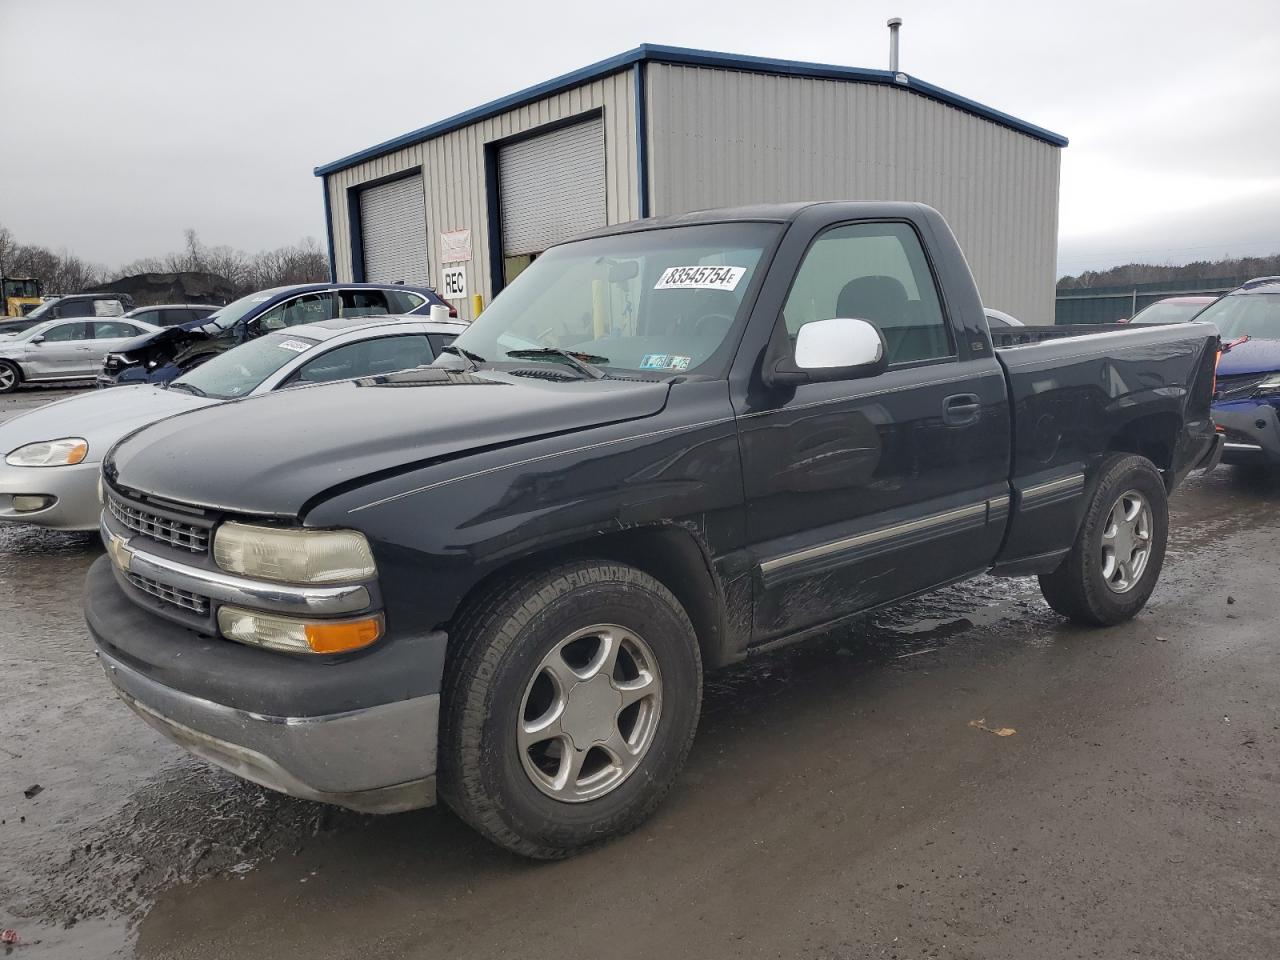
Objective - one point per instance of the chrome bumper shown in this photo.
(381, 759)
(1253, 432)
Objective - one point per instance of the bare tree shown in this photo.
(303, 262)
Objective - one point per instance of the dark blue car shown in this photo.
(160, 357)
(1247, 402)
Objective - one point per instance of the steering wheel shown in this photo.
(723, 319)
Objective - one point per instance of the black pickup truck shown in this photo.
(664, 446)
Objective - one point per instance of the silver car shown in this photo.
(63, 349)
(53, 455)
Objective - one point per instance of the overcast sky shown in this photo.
(126, 121)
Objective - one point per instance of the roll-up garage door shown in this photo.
(393, 226)
(552, 187)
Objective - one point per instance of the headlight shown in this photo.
(293, 556)
(49, 453)
(1269, 385)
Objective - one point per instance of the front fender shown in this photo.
(439, 531)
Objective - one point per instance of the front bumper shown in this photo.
(74, 489)
(359, 732)
(1252, 432)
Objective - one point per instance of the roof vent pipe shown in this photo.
(895, 24)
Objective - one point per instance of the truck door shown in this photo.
(862, 491)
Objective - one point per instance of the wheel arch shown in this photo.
(671, 553)
(1154, 436)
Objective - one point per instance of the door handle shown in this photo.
(960, 409)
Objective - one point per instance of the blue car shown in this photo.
(1247, 402)
(162, 356)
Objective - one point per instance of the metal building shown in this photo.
(468, 202)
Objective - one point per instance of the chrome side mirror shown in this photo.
(842, 348)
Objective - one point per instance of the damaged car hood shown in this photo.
(270, 455)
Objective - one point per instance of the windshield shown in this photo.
(659, 301)
(227, 316)
(239, 371)
(39, 312)
(1167, 313)
(1254, 315)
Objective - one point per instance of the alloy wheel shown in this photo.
(589, 713)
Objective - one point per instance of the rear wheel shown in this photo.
(570, 704)
(10, 376)
(1116, 560)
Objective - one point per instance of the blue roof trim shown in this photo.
(657, 53)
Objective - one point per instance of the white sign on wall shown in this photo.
(455, 246)
(453, 283)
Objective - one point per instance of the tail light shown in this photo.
(453, 312)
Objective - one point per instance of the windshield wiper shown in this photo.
(473, 359)
(187, 388)
(582, 362)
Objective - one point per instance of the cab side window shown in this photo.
(64, 332)
(364, 303)
(74, 308)
(113, 330)
(309, 308)
(875, 272)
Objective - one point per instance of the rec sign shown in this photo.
(453, 283)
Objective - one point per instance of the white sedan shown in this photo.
(63, 349)
(53, 455)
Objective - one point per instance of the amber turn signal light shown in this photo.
(341, 637)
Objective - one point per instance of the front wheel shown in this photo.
(1116, 559)
(571, 700)
(10, 376)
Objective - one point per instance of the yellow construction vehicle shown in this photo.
(18, 296)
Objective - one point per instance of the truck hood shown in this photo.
(1252, 356)
(100, 418)
(270, 455)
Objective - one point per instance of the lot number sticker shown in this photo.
(453, 283)
(700, 278)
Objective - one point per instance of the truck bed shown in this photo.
(1017, 336)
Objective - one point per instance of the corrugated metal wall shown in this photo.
(453, 168)
(723, 137)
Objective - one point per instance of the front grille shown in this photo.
(175, 533)
(1239, 386)
(179, 598)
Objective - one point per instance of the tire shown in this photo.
(1081, 588)
(501, 679)
(10, 376)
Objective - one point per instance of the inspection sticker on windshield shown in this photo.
(700, 278)
(664, 361)
(297, 346)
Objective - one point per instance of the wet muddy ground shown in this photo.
(839, 801)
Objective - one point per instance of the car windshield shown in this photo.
(239, 371)
(658, 301)
(39, 312)
(1167, 313)
(1254, 315)
(227, 316)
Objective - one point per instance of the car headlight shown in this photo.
(293, 556)
(1270, 385)
(50, 453)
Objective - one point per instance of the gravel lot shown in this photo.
(839, 801)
